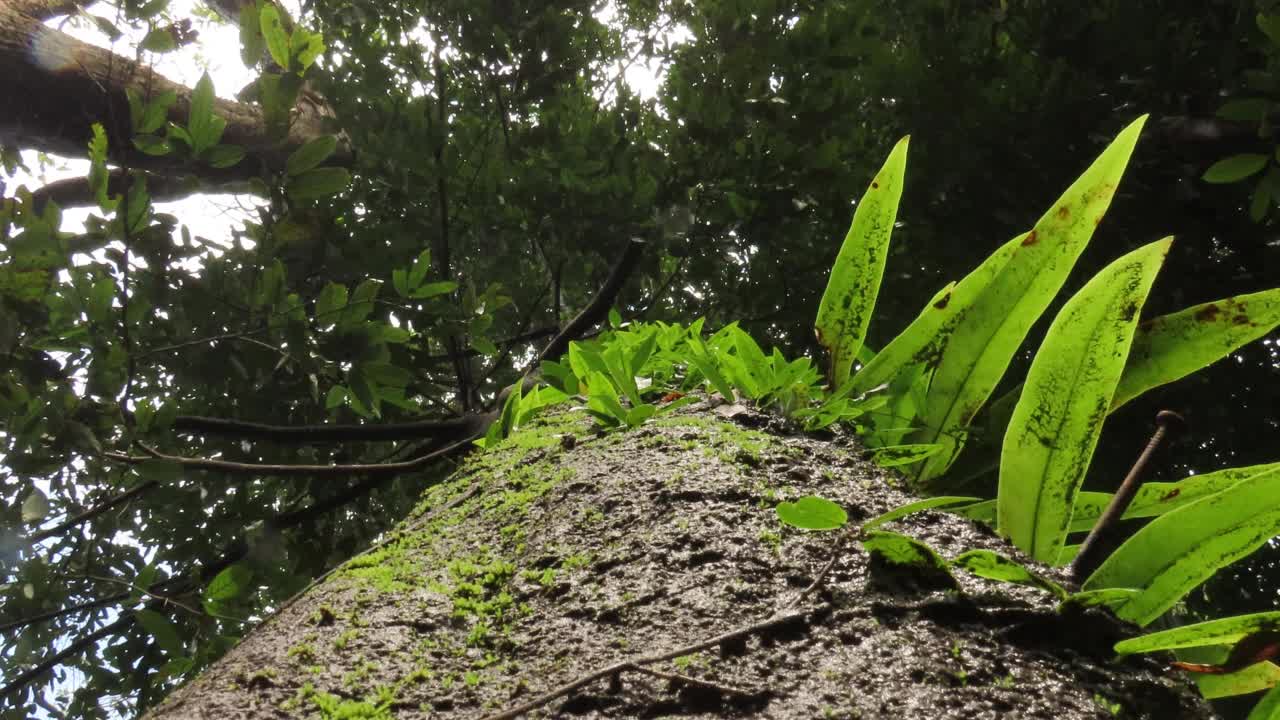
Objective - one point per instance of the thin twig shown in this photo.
(200, 425)
(92, 512)
(677, 678)
(619, 667)
(72, 649)
(598, 308)
(290, 470)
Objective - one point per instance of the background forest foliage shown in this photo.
(501, 167)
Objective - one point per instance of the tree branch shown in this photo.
(75, 192)
(598, 308)
(56, 659)
(302, 434)
(482, 420)
(45, 9)
(92, 512)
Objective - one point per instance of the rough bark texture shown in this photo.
(546, 559)
(56, 87)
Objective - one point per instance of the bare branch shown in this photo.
(56, 659)
(93, 512)
(598, 308)
(292, 470)
(75, 192)
(454, 428)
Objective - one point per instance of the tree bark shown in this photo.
(56, 87)
(644, 574)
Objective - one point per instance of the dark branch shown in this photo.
(93, 512)
(56, 659)
(444, 429)
(598, 308)
(45, 9)
(482, 423)
(75, 192)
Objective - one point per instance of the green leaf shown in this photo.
(603, 399)
(310, 155)
(200, 125)
(897, 455)
(903, 550)
(1058, 418)
(1249, 110)
(915, 507)
(100, 298)
(332, 299)
(1254, 678)
(637, 415)
(1157, 498)
(418, 272)
(35, 507)
(152, 145)
(812, 513)
(1224, 631)
(1235, 168)
(1064, 402)
(1180, 549)
(1107, 597)
(223, 156)
(318, 183)
(306, 47)
(363, 392)
(229, 584)
(615, 318)
(850, 296)
(1172, 346)
(252, 43)
(274, 35)
(159, 40)
(361, 303)
(386, 374)
(982, 341)
(994, 566)
(160, 628)
(336, 396)
(433, 289)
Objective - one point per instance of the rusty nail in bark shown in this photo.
(1167, 423)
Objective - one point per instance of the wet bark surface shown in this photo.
(563, 552)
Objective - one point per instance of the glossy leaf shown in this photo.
(915, 507)
(1235, 168)
(899, 455)
(310, 154)
(318, 182)
(812, 513)
(1268, 708)
(274, 35)
(160, 628)
(200, 118)
(1224, 631)
(1180, 549)
(901, 549)
(1249, 680)
(1068, 390)
(994, 566)
(1156, 498)
(985, 337)
(1172, 346)
(850, 296)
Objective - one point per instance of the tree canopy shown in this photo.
(443, 188)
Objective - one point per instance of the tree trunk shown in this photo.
(551, 561)
(56, 87)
